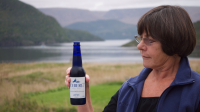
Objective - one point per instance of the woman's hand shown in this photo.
(88, 106)
(67, 79)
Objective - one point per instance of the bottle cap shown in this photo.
(76, 43)
(77, 50)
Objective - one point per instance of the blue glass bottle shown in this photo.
(77, 75)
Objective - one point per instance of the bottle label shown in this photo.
(77, 87)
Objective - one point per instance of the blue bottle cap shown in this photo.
(76, 43)
(77, 50)
(77, 60)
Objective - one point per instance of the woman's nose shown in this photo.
(141, 45)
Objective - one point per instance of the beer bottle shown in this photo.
(77, 75)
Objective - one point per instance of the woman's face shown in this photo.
(153, 55)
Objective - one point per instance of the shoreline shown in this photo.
(135, 61)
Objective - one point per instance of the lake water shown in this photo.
(109, 51)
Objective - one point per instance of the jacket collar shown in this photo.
(183, 75)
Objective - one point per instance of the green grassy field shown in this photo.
(60, 98)
(39, 87)
(26, 87)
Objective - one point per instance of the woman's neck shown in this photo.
(167, 70)
(160, 78)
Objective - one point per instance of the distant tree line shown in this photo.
(22, 24)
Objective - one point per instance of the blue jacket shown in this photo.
(183, 95)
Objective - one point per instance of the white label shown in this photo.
(77, 87)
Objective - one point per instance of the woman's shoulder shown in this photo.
(129, 82)
(196, 76)
(137, 79)
(133, 81)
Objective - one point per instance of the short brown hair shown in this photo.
(172, 26)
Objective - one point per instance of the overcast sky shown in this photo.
(105, 5)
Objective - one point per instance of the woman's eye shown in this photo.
(151, 41)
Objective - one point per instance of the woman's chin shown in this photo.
(146, 64)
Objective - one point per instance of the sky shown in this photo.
(105, 5)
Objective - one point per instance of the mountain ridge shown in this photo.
(107, 29)
(23, 25)
(130, 15)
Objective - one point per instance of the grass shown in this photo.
(100, 95)
(27, 105)
(43, 83)
(58, 100)
(17, 78)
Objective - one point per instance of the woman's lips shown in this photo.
(145, 57)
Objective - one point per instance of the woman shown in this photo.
(166, 84)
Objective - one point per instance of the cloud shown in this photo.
(108, 4)
(97, 5)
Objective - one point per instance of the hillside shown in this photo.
(67, 16)
(77, 35)
(22, 24)
(197, 28)
(107, 29)
(196, 52)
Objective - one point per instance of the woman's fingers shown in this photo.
(68, 70)
(67, 84)
(87, 78)
(68, 79)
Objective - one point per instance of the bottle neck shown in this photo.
(77, 60)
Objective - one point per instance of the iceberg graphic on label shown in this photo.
(75, 81)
